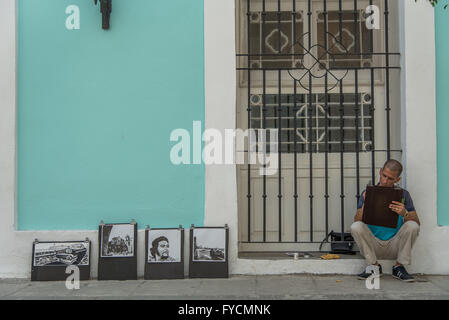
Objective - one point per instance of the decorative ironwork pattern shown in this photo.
(265, 38)
(296, 109)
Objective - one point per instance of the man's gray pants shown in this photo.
(398, 248)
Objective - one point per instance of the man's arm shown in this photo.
(412, 216)
(359, 214)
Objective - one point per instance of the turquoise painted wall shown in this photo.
(95, 112)
(442, 70)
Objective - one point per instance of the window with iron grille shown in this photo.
(348, 43)
(313, 70)
(337, 120)
(277, 39)
(273, 39)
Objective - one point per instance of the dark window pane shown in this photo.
(311, 123)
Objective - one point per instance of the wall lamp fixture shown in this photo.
(106, 9)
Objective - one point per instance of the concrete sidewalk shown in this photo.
(235, 288)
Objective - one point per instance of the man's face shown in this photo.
(388, 178)
(163, 249)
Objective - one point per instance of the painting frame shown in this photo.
(121, 233)
(215, 259)
(157, 270)
(118, 266)
(56, 256)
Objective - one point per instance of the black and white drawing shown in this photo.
(61, 254)
(164, 245)
(117, 240)
(209, 244)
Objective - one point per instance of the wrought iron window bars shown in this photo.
(281, 42)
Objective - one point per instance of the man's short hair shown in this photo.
(155, 244)
(393, 165)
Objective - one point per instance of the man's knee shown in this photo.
(358, 227)
(411, 226)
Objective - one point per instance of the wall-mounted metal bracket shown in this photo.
(106, 9)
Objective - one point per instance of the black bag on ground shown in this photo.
(340, 247)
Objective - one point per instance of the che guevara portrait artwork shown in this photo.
(164, 245)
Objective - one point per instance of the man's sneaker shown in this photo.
(400, 273)
(364, 275)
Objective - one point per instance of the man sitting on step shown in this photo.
(376, 242)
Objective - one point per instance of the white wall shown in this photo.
(7, 138)
(431, 254)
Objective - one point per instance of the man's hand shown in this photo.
(397, 207)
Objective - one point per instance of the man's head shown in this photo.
(160, 247)
(390, 173)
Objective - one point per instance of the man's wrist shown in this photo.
(405, 213)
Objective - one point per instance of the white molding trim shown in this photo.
(220, 113)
